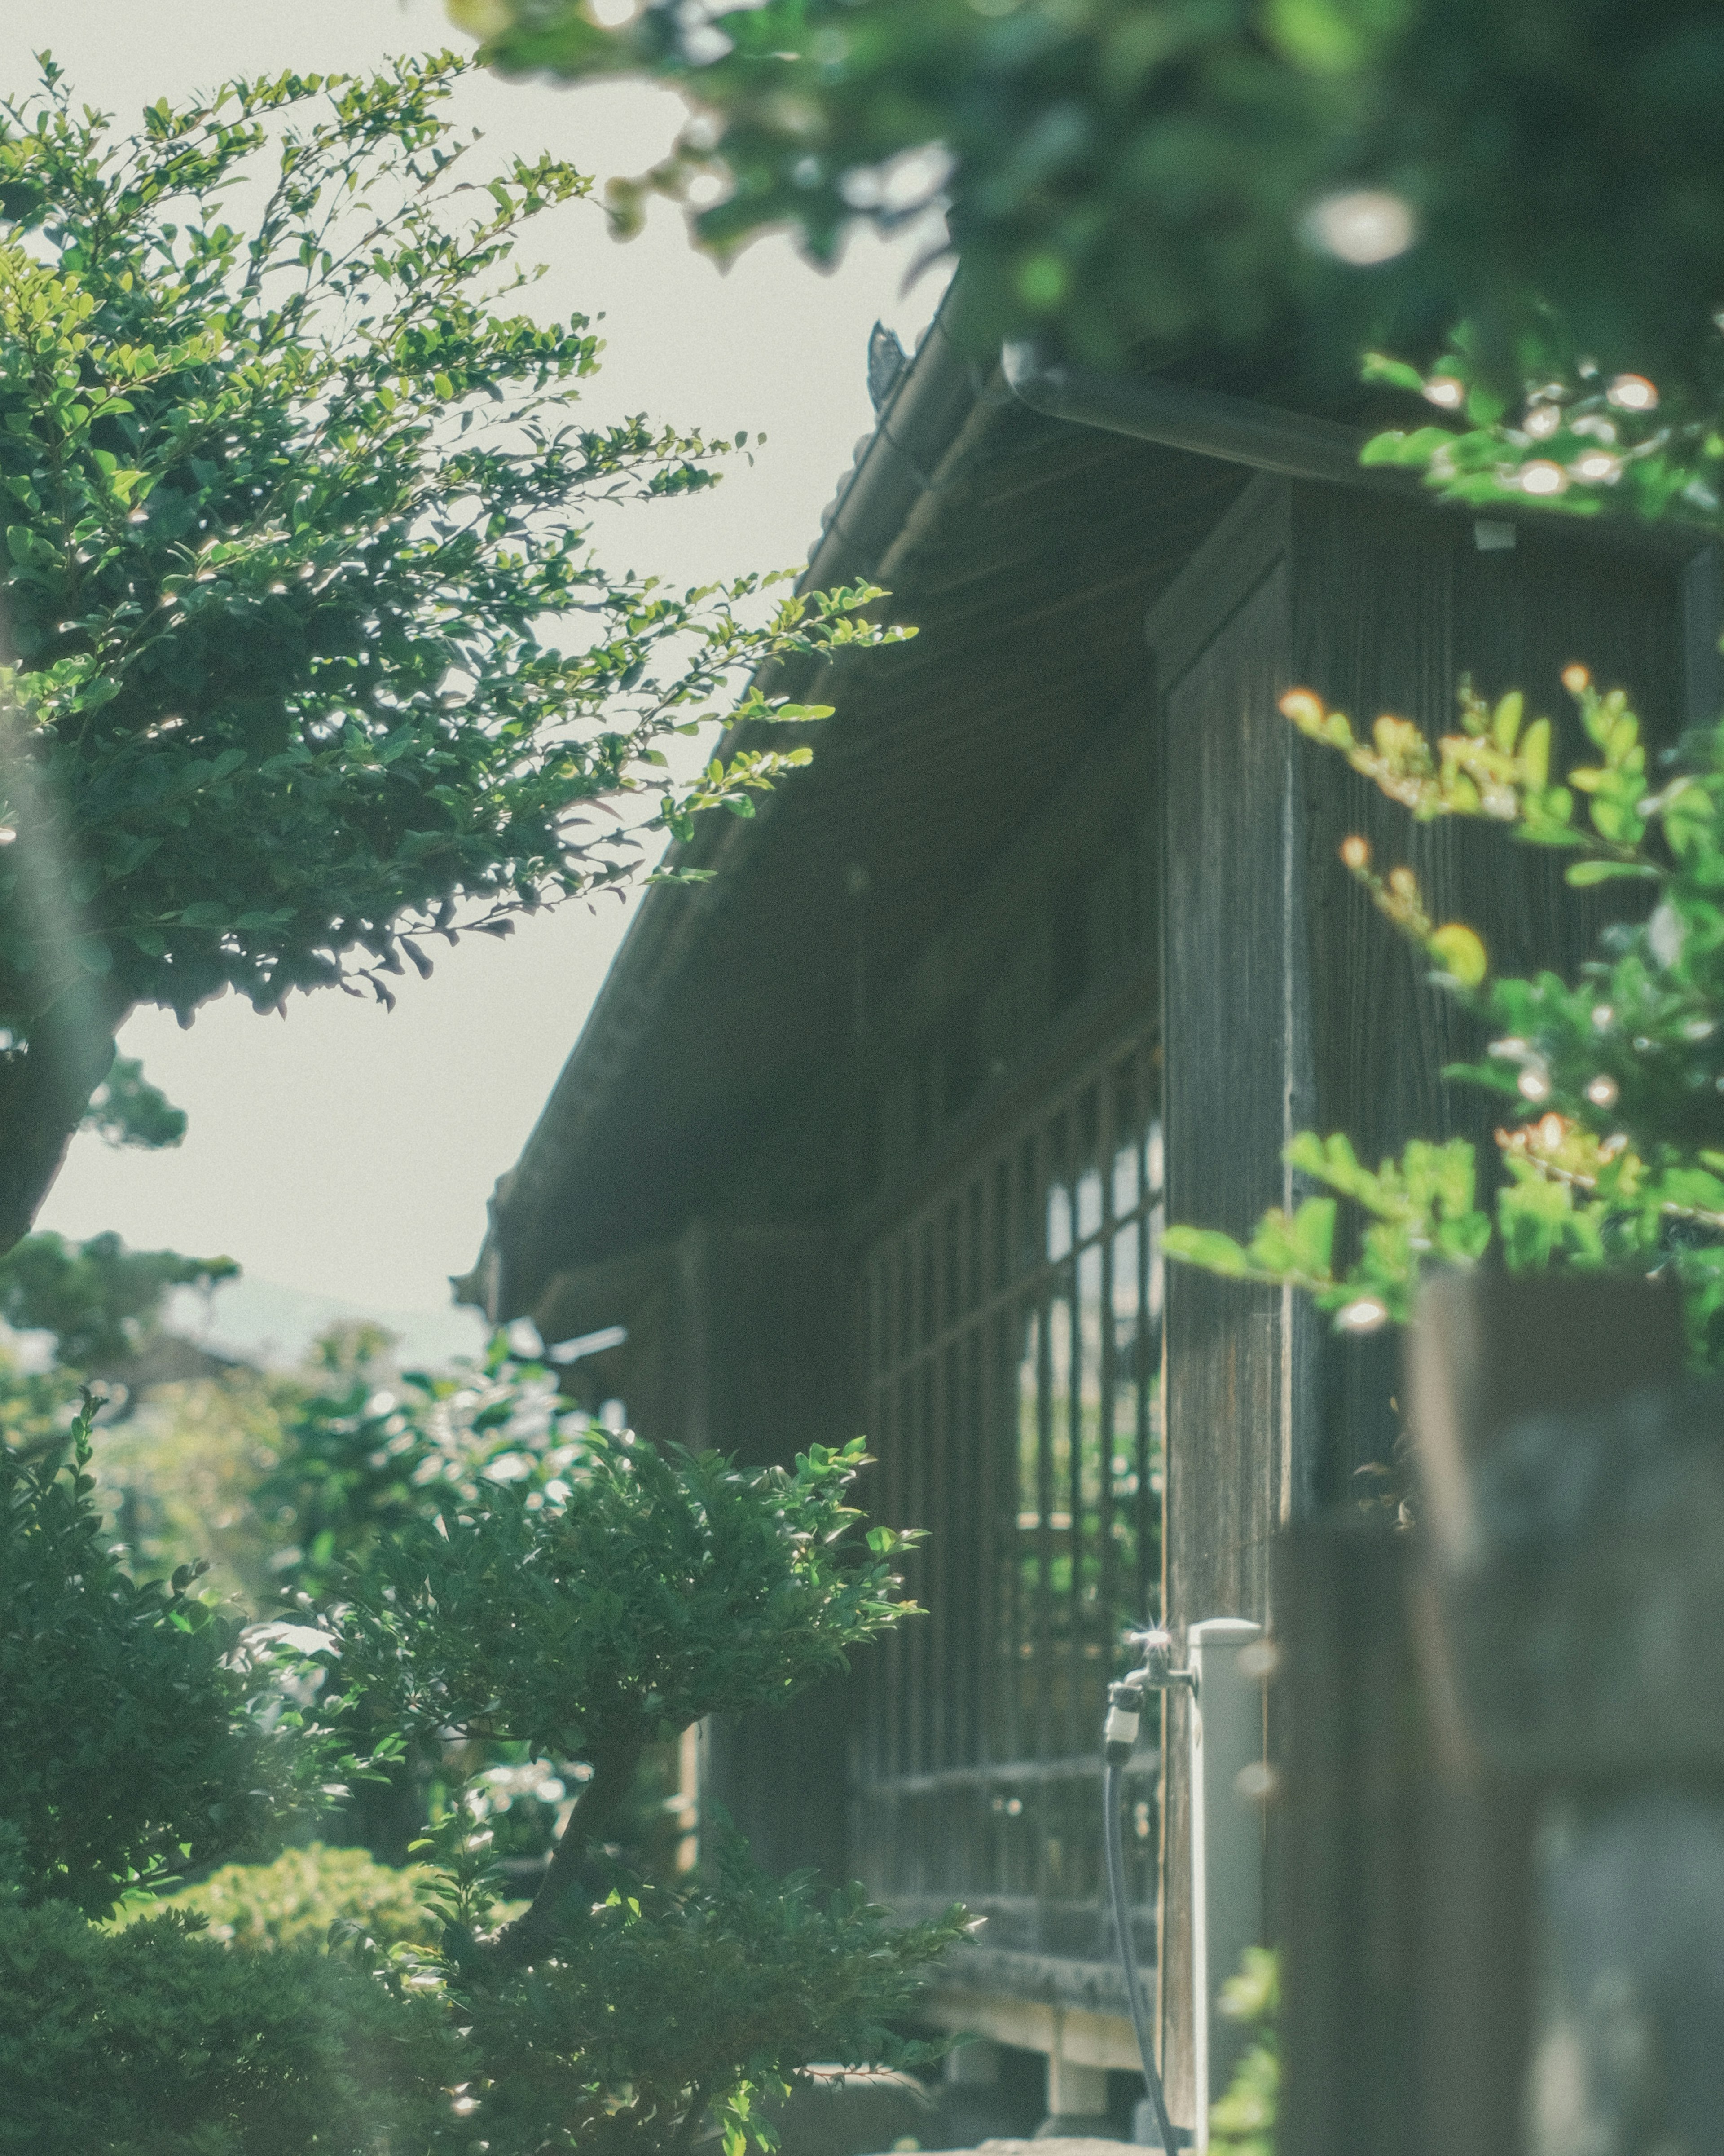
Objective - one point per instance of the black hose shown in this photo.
(1113, 1836)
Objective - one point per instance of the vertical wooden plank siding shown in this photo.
(1390, 605)
(1228, 959)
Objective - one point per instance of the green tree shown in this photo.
(632, 1592)
(101, 1301)
(126, 1110)
(288, 502)
(585, 1613)
(1161, 173)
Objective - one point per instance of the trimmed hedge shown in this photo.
(148, 2042)
(293, 1902)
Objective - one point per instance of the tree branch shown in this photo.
(614, 1767)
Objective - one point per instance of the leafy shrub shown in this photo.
(148, 2042)
(594, 1598)
(293, 1902)
(132, 1737)
(626, 1598)
(660, 2008)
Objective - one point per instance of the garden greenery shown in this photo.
(152, 2041)
(665, 2009)
(292, 1902)
(537, 1604)
(635, 1593)
(289, 500)
(137, 1734)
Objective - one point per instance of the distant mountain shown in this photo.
(274, 1326)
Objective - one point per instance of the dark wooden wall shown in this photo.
(1289, 1003)
(1234, 1084)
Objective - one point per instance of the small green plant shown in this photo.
(1614, 1146)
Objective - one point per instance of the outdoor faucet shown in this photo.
(1125, 1699)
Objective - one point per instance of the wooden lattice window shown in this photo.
(1013, 1373)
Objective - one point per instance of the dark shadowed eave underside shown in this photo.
(533, 1209)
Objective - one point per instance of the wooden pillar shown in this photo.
(1236, 1091)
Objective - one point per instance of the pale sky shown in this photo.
(349, 1152)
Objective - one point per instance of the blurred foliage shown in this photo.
(178, 1478)
(38, 1406)
(1570, 434)
(293, 1902)
(126, 1110)
(148, 2042)
(1612, 1083)
(365, 1451)
(101, 1301)
(1242, 2122)
(138, 1732)
(1179, 172)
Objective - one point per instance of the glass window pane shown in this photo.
(1029, 1444)
(1123, 1465)
(1089, 1178)
(1058, 1221)
(1126, 1158)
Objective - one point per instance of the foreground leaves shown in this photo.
(1613, 1147)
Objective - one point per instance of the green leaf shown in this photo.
(1584, 873)
(1460, 951)
(1214, 1252)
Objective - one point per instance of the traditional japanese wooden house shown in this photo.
(878, 1130)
